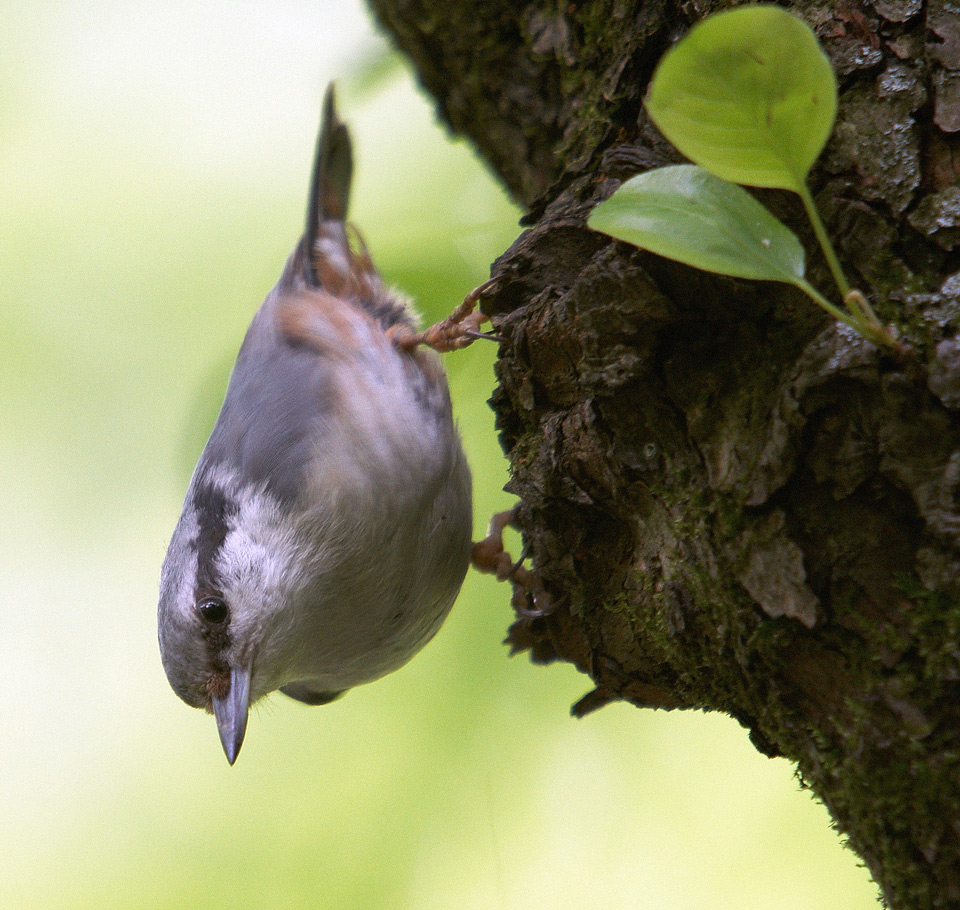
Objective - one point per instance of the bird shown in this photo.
(326, 530)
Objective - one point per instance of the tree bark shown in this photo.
(735, 503)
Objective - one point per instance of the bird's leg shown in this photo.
(489, 556)
(459, 329)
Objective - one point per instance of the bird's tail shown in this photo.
(323, 257)
(332, 172)
(331, 255)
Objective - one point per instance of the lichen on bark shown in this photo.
(737, 504)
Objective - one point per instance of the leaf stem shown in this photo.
(849, 318)
(859, 314)
(824, 240)
(857, 303)
(863, 322)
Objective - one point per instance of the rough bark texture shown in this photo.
(737, 504)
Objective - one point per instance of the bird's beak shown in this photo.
(231, 712)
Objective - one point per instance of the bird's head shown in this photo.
(224, 589)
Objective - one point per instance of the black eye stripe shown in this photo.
(212, 610)
(215, 511)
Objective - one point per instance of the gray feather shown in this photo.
(271, 418)
(302, 692)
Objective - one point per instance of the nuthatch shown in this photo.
(326, 530)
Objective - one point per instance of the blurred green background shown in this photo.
(153, 165)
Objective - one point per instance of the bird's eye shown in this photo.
(213, 610)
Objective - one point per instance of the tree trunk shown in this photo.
(736, 503)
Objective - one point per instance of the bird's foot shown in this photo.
(530, 599)
(459, 329)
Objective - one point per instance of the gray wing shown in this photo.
(277, 405)
(308, 696)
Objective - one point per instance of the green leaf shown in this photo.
(749, 95)
(685, 213)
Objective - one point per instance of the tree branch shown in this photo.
(737, 504)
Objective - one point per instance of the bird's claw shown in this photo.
(460, 329)
(530, 599)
